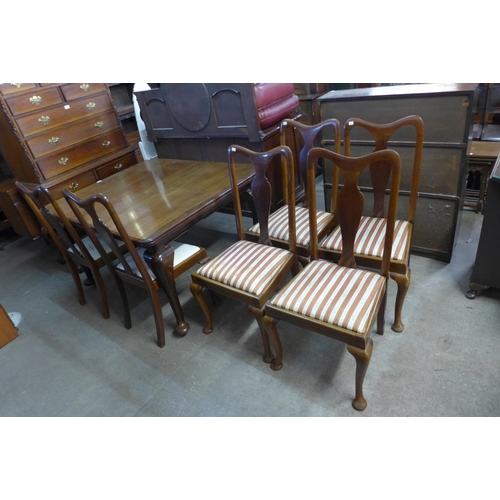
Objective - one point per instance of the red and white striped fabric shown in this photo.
(247, 266)
(278, 224)
(334, 294)
(370, 238)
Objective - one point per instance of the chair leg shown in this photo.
(158, 314)
(78, 282)
(270, 327)
(403, 282)
(102, 292)
(258, 313)
(196, 290)
(127, 319)
(90, 280)
(362, 357)
(161, 262)
(381, 314)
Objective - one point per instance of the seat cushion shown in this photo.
(334, 294)
(91, 248)
(247, 266)
(370, 238)
(182, 252)
(278, 224)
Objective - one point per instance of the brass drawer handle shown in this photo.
(36, 100)
(118, 166)
(99, 124)
(63, 160)
(106, 143)
(53, 140)
(74, 186)
(91, 105)
(44, 120)
(85, 86)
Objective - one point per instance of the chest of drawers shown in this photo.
(61, 134)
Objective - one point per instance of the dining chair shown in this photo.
(131, 266)
(278, 226)
(79, 252)
(339, 300)
(250, 271)
(369, 242)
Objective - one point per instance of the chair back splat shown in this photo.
(250, 271)
(382, 134)
(307, 136)
(312, 136)
(339, 300)
(350, 200)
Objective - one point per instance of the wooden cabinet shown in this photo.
(446, 110)
(486, 272)
(62, 135)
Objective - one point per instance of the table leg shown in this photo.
(161, 262)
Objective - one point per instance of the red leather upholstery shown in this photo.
(275, 101)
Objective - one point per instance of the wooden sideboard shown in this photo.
(59, 134)
(446, 110)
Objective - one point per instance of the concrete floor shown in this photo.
(69, 361)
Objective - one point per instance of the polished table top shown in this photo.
(158, 199)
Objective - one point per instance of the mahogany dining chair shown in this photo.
(79, 252)
(339, 300)
(130, 267)
(369, 241)
(250, 271)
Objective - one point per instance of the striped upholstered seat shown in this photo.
(370, 238)
(247, 266)
(337, 295)
(278, 224)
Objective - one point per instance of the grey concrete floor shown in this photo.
(69, 361)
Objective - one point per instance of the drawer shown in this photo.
(67, 159)
(74, 133)
(33, 101)
(76, 90)
(12, 88)
(64, 113)
(74, 184)
(116, 166)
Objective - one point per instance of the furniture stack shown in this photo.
(60, 135)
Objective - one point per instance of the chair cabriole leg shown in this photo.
(362, 357)
(196, 290)
(403, 282)
(258, 314)
(270, 328)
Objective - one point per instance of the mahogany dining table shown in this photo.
(159, 199)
